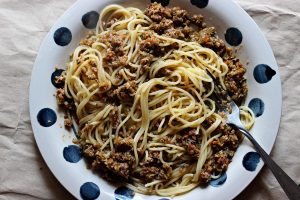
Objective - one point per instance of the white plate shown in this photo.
(53, 141)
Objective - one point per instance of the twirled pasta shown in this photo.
(162, 105)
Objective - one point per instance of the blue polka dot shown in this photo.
(162, 2)
(72, 153)
(219, 181)
(233, 36)
(124, 193)
(263, 73)
(90, 19)
(257, 106)
(62, 36)
(89, 191)
(46, 117)
(55, 74)
(251, 160)
(200, 3)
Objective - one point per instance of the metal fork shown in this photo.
(291, 189)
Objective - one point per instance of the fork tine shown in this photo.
(218, 102)
(220, 92)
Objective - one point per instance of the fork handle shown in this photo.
(291, 189)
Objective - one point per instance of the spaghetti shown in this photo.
(144, 106)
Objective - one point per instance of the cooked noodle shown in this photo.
(162, 106)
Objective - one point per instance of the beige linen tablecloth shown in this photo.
(24, 24)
